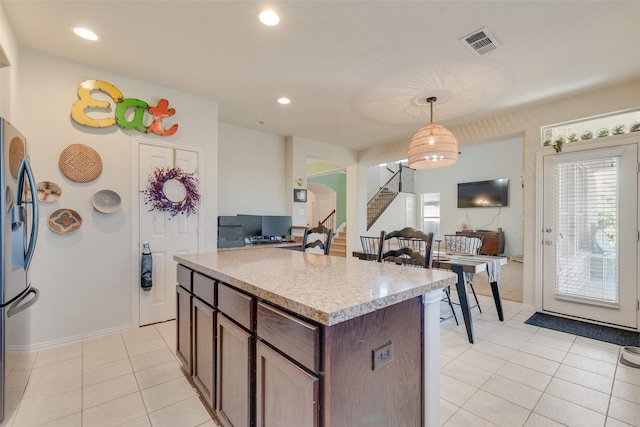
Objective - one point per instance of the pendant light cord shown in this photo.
(431, 100)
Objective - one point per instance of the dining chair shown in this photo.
(457, 244)
(411, 247)
(446, 290)
(370, 246)
(322, 242)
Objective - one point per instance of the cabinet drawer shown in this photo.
(203, 288)
(294, 337)
(236, 305)
(184, 277)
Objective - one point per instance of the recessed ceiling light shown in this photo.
(85, 33)
(284, 101)
(269, 17)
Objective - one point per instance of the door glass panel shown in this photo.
(587, 206)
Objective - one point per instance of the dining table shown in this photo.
(460, 264)
(474, 264)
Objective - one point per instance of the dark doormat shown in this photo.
(584, 329)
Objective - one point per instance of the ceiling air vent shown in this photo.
(480, 42)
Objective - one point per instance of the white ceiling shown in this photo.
(357, 72)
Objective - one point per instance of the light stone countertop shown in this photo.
(326, 289)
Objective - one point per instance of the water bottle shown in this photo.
(146, 267)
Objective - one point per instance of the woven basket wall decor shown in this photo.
(80, 163)
(64, 221)
(48, 191)
(16, 153)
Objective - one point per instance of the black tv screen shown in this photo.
(484, 194)
(276, 226)
(252, 224)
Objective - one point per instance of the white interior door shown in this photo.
(590, 234)
(325, 204)
(167, 235)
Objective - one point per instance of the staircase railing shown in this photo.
(329, 221)
(401, 181)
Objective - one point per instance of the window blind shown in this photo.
(587, 203)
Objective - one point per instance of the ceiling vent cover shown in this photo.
(480, 42)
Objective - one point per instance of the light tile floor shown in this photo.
(514, 375)
(128, 379)
(522, 375)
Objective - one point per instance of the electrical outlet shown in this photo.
(382, 355)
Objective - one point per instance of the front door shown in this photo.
(167, 235)
(590, 234)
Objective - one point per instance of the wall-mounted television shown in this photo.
(484, 194)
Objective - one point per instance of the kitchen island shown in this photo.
(279, 337)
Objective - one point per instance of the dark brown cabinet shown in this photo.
(234, 374)
(492, 241)
(183, 331)
(204, 329)
(284, 391)
(196, 328)
(272, 367)
(287, 348)
(235, 357)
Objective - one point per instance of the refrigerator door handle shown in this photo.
(16, 307)
(25, 169)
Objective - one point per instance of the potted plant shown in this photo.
(586, 135)
(618, 129)
(557, 144)
(573, 137)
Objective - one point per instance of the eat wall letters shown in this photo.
(86, 104)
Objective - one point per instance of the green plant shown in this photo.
(603, 132)
(557, 144)
(617, 130)
(573, 137)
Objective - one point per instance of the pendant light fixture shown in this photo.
(432, 146)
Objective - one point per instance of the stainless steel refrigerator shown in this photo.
(19, 221)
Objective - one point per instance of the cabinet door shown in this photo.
(203, 350)
(233, 391)
(285, 392)
(183, 331)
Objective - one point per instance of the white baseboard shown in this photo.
(67, 340)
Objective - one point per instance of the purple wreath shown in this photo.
(154, 193)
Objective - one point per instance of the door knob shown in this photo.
(548, 230)
(547, 242)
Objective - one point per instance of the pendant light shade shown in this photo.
(432, 146)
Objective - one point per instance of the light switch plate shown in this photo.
(382, 355)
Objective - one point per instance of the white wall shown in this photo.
(87, 278)
(479, 163)
(251, 172)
